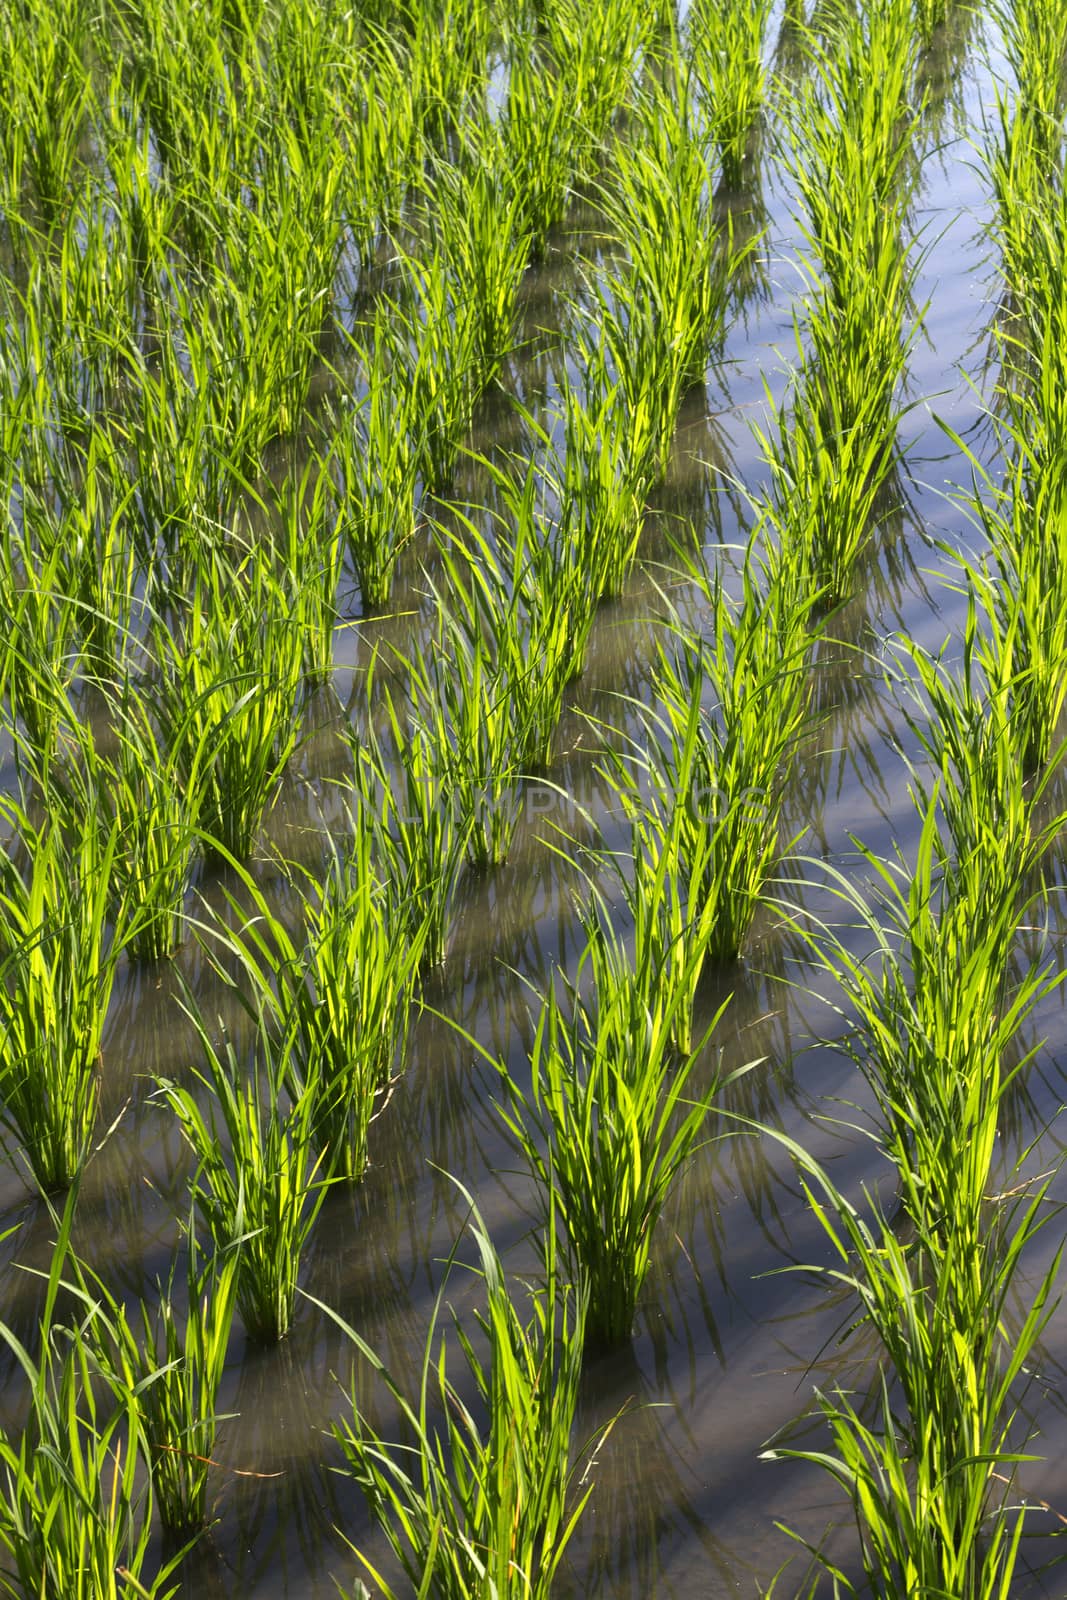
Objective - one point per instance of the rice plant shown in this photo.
(259, 1184)
(488, 1498)
(849, 137)
(309, 547)
(1019, 591)
(46, 75)
(228, 694)
(705, 803)
(656, 324)
(249, 340)
(442, 365)
(375, 452)
(181, 75)
(489, 689)
(610, 1118)
(39, 654)
(966, 719)
(1034, 39)
(377, 97)
(601, 483)
(337, 998)
(461, 701)
(596, 54)
(420, 834)
(98, 570)
(828, 476)
(537, 600)
(59, 957)
(938, 1018)
(479, 218)
(848, 158)
(1033, 244)
(449, 61)
(726, 45)
(538, 136)
(76, 1506)
(142, 790)
(173, 1361)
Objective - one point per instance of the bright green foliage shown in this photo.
(705, 803)
(482, 1510)
(967, 722)
(489, 690)
(1034, 39)
(849, 136)
(461, 702)
(601, 483)
(336, 1000)
(537, 601)
(928, 1465)
(538, 134)
(1020, 587)
(448, 61)
(606, 1124)
(39, 651)
(656, 323)
(258, 1185)
(46, 85)
(938, 1019)
(595, 50)
(442, 361)
(308, 539)
(726, 49)
(174, 1365)
(381, 136)
(848, 156)
(479, 218)
(76, 1504)
(249, 332)
(228, 694)
(59, 958)
(139, 789)
(420, 835)
(375, 451)
(1032, 351)
(97, 570)
(828, 476)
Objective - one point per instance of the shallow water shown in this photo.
(728, 1343)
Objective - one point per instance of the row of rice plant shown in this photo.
(937, 1009)
(847, 150)
(1018, 583)
(935, 1015)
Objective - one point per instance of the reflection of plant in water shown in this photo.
(645, 1494)
(276, 1489)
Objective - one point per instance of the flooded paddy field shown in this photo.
(532, 548)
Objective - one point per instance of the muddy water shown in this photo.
(729, 1344)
